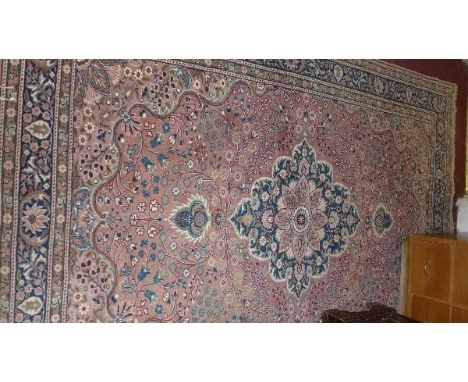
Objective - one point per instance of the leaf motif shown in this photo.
(39, 129)
(79, 91)
(99, 78)
(32, 305)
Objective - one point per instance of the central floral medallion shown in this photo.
(297, 218)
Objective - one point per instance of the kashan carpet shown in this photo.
(215, 190)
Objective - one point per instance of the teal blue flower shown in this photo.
(132, 150)
(125, 270)
(158, 278)
(147, 163)
(156, 141)
(166, 127)
(143, 273)
(150, 295)
(163, 159)
(159, 309)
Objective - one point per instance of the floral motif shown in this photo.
(31, 305)
(297, 219)
(208, 305)
(301, 219)
(84, 219)
(382, 221)
(94, 78)
(35, 217)
(193, 219)
(88, 298)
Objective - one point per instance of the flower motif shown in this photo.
(89, 127)
(151, 231)
(83, 309)
(192, 219)
(150, 295)
(154, 206)
(10, 112)
(88, 112)
(77, 296)
(63, 118)
(293, 64)
(379, 86)
(297, 218)
(301, 220)
(166, 127)
(138, 74)
(134, 260)
(7, 218)
(35, 218)
(382, 221)
(148, 70)
(82, 140)
(58, 268)
(62, 168)
(133, 219)
(8, 165)
(127, 71)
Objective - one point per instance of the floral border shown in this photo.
(35, 155)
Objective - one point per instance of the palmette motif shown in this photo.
(212, 190)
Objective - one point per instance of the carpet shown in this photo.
(215, 190)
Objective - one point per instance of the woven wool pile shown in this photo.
(213, 190)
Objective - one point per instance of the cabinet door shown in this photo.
(459, 315)
(425, 310)
(429, 269)
(460, 275)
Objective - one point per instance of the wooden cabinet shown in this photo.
(435, 278)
